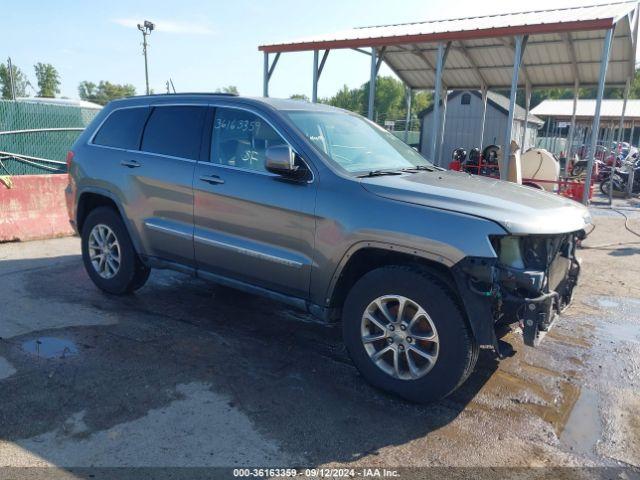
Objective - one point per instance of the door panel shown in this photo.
(251, 225)
(161, 180)
(162, 205)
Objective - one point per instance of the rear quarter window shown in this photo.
(175, 131)
(122, 129)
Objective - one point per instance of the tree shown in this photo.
(390, 98)
(300, 96)
(19, 79)
(232, 89)
(421, 101)
(48, 80)
(104, 92)
(347, 98)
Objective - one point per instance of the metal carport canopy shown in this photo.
(611, 109)
(564, 45)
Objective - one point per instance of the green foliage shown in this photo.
(229, 89)
(19, 78)
(420, 101)
(300, 96)
(48, 80)
(390, 100)
(348, 98)
(104, 92)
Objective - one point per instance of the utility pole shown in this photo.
(146, 28)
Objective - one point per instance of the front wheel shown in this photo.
(108, 254)
(605, 186)
(407, 335)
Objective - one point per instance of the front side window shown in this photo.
(122, 129)
(355, 144)
(240, 139)
(175, 131)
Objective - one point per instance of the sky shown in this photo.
(205, 45)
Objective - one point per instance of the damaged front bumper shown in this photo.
(530, 285)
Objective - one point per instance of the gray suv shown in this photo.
(322, 209)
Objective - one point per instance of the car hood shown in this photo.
(518, 209)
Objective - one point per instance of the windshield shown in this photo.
(355, 144)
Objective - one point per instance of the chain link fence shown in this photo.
(410, 135)
(35, 135)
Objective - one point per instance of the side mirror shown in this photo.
(281, 159)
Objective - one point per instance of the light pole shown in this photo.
(146, 28)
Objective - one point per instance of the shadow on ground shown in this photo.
(290, 377)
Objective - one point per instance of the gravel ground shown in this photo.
(185, 373)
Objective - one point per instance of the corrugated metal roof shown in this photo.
(564, 44)
(610, 109)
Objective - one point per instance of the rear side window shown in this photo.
(122, 129)
(175, 131)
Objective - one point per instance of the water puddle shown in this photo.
(553, 405)
(605, 302)
(623, 332)
(618, 306)
(584, 427)
(50, 347)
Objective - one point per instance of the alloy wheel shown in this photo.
(399, 337)
(104, 251)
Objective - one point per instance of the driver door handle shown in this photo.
(212, 179)
(130, 163)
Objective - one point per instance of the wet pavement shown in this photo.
(185, 373)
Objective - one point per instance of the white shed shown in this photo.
(463, 124)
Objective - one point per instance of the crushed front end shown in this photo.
(531, 282)
(536, 276)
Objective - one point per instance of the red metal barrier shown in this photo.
(34, 208)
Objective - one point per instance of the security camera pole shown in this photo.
(146, 30)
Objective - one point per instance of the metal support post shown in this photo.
(621, 138)
(445, 98)
(604, 61)
(409, 93)
(314, 89)
(527, 105)
(572, 129)
(265, 76)
(435, 114)
(484, 92)
(372, 84)
(506, 151)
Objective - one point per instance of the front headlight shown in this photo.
(509, 250)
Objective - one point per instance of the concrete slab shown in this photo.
(187, 373)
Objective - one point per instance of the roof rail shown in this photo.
(223, 94)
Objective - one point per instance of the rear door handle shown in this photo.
(212, 179)
(130, 163)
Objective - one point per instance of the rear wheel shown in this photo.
(108, 254)
(407, 335)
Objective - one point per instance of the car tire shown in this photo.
(453, 347)
(122, 271)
